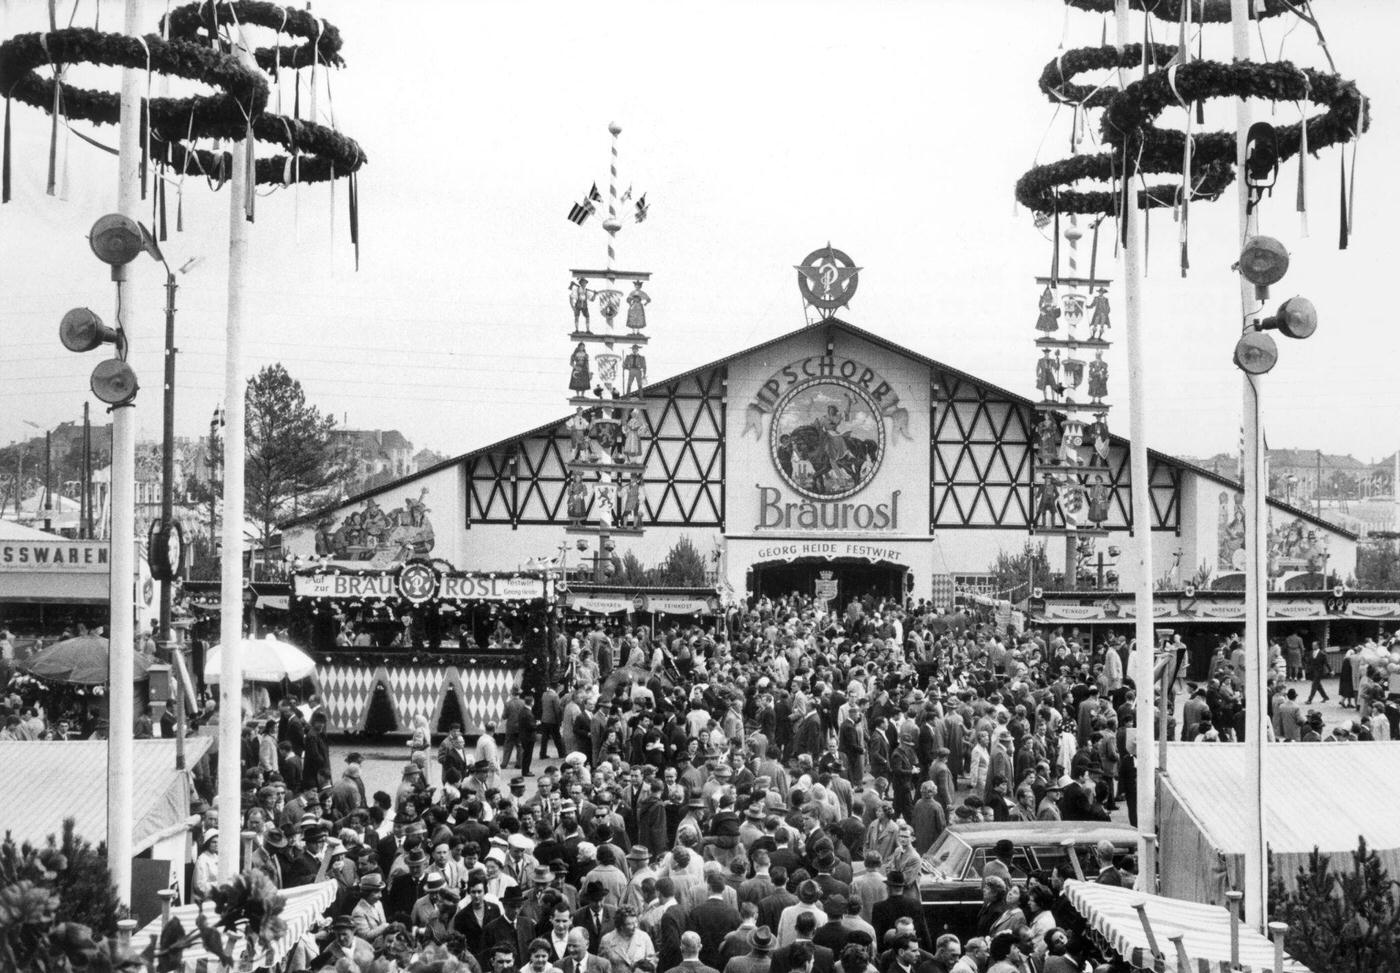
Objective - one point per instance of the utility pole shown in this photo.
(48, 479)
(122, 556)
(85, 504)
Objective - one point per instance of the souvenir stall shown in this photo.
(419, 638)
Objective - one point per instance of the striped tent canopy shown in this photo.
(1204, 930)
(304, 906)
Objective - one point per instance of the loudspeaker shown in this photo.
(82, 330)
(1255, 353)
(114, 382)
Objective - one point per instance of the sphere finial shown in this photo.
(614, 128)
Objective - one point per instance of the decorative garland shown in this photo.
(1130, 117)
(320, 153)
(201, 21)
(1055, 79)
(1202, 11)
(1040, 188)
(243, 92)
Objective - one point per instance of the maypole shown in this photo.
(609, 428)
(1204, 167)
(160, 139)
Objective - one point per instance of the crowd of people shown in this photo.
(751, 798)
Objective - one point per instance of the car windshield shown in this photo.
(948, 856)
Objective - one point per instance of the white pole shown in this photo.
(1256, 874)
(1143, 680)
(231, 562)
(122, 579)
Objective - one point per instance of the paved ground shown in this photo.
(385, 757)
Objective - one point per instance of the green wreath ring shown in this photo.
(1055, 79)
(1130, 117)
(1202, 11)
(243, 92)
(325, 153)
(1040, 190)
(201, 21)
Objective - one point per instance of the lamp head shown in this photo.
(1296, 317)
(1255, 353)
(118, 240)
(1263, 261)
(114, 382)
(82, 330)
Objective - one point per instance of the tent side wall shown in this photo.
(1192, 868)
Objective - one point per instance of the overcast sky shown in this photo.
(759, 132)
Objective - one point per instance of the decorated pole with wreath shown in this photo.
(1204, 164)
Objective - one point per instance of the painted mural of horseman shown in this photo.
(827, 450)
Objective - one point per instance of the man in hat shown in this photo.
(425, 906)
(368, 914)
(306, 866)
(512, 927)
(345, 944)
(693, 822)
(345, 794)
(884, 915)
(407, 888)
(439, 925)
(1049, 807)
(1079, 802)
(595, 916)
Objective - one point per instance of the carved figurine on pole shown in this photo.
(578, 426)
(632, 502)
(632, 432)
(634, 371)
(1047, 377)
(1098, 378)
(1049, 319)
(636, 308)
(1047, 439)
(578, 499)
(579, 296)
(1098, 322)
(1047, 500)
(580, 375)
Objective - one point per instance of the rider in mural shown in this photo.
(830, 427)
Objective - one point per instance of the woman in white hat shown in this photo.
(206, 866)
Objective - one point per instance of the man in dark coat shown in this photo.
(885, 914)
(771, 906)
(595, 916)
(476, 916)
(316, 755)
(526, 733)
(1078, 802)
(290, 726)
(713, 919)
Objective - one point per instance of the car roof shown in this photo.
(1029, 831)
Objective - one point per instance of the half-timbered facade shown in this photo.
(825, 459)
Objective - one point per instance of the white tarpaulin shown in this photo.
(1316, 795)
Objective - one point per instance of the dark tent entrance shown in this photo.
(839, 579)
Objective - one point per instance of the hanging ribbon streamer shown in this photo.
(1094, 251)
(54, 115)
(1183, 230)
(1355, 145)
(5, 164)
(1342, 188)
(250, 167)
(1055, 250)
(1302, 202)
(145, 146)
(353, 191)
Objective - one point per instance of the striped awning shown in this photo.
(1204, 929)
(305, 903)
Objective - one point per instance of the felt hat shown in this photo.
(274, 839)
(638, 853)
(513, 895)
(895, 879)
(543, 875)
(417, 856)
(342, 922)
(761, 939)
(371, 881)
(594, 891)
(434, 881)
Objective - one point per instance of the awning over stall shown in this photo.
(1111, 913)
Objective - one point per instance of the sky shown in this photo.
(759, 132)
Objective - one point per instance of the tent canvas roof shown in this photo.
(1321, 795)
(11, 531)
(68, 779)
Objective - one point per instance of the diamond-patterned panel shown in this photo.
(348, 688)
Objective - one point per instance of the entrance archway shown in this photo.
(843, 577)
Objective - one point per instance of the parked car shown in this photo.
(951, 886)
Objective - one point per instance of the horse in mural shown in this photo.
(826, 458)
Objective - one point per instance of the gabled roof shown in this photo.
(831, 324)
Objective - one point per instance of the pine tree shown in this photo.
(1341, 923)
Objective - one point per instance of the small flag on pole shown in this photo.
(627, 195)
(642, 208)
(580, 212)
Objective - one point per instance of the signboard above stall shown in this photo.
(417, 583)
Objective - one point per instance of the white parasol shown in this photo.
(264, 660)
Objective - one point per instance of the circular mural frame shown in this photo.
(799, 438)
